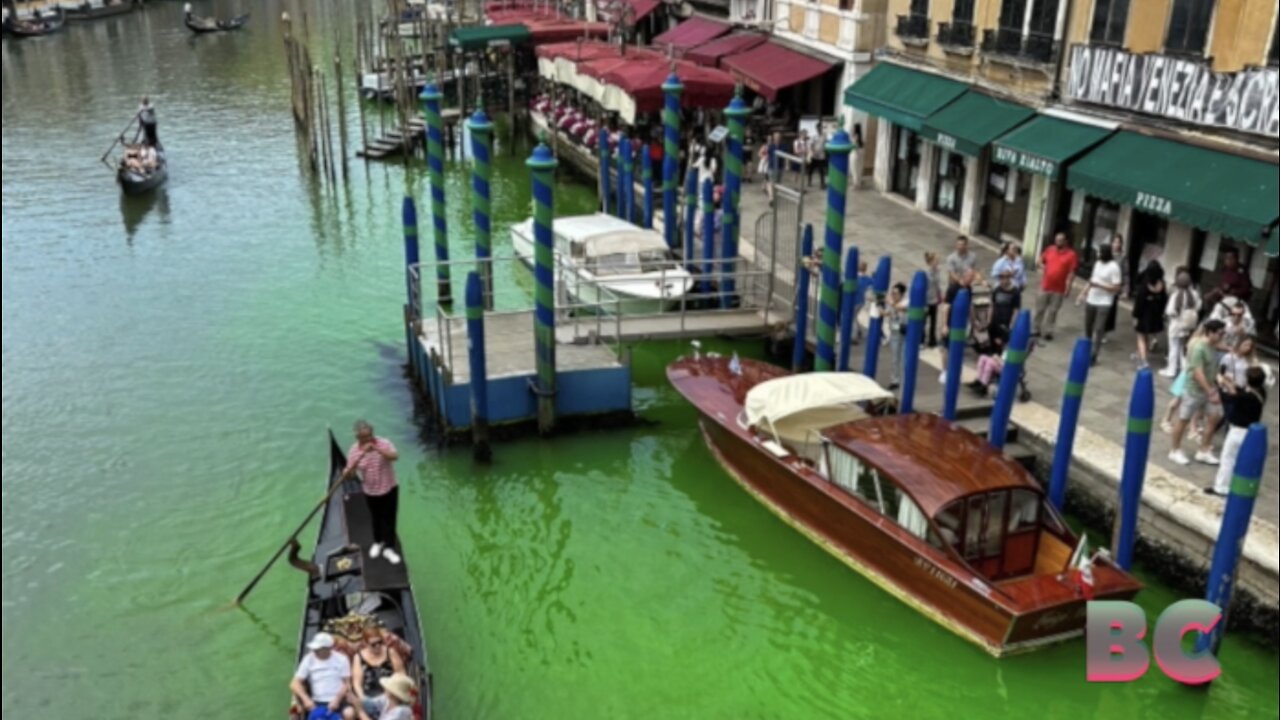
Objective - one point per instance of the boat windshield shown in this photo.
(632, 263)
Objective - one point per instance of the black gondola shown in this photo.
(138, 182)
(86, 11)
(203, 25)
(346, 582)
(39, 25)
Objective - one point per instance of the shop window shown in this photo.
(949, 194)
(1189, 27)
(1109, 20)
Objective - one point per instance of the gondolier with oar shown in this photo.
(372, 457)
(147, 119)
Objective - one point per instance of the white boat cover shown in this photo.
(624, 243)
(796, 407)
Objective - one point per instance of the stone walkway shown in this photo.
(878, 224)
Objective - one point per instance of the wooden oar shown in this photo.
(290, 540)
(119, 138)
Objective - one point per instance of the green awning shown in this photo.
(479, 38)
(973, 121)
(901, 96)
(1206, 189)
(1045, 144)
(1273, 247)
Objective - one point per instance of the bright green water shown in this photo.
(169, 369)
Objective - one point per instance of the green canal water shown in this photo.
(170, 368)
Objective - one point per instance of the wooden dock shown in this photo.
(395, 144)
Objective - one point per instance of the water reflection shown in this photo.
(134, 210)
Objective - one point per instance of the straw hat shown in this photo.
(400, 687)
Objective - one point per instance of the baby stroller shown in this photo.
(986, 340)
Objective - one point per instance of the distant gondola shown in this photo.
(202, 25)
(135, 181)
(38, 26)
(346, 587)
(109, 8)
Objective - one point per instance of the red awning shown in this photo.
(710, 54)
(770, 68)
(558, 31)
(691, 33)
(643, 81)
(642, 9)
(592, 50)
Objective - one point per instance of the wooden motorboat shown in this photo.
(135, 180)
(611, 263)
(346, 588)
(110, 8)
(924, 508)
(39, 25)
(203, 25)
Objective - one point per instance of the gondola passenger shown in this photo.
(322, 682)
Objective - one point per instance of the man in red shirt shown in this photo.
(1234, 283)
(1058, 265)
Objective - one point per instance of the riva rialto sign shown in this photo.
(1177, 88)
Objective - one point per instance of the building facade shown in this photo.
(1154, 120)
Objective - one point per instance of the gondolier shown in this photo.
(147, 118)
(372, 457)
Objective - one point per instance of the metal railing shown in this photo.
(914, 27)
(585, 312)
(957, 34)
(1012, 43)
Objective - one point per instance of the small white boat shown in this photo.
(607, 261)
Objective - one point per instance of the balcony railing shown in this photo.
(956, 34)
(1032, 47)
(913, 27)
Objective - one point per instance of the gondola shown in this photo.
(38, 26)
(86, 11)
(202, 25)
(133, 182)
(346, 587)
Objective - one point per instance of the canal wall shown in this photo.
(1178, 523)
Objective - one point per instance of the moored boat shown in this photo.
(610, 263)
(38, 25)
(204, 25)
(109, 8)
(349, 592)
(925, 509)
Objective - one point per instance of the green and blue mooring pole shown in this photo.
(671, 91)
(481, 181)
(431, 97)
(543, 164)
(838, 150)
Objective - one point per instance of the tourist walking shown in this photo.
(1099, 297)
(1200, 396)
(1118, 253)
(372, 457)
(1151, 299)
(818, 159)
(1182, 315)
(1246, 404)
(895, 311)
(1058, 265)
(800, 148)
(934, 268)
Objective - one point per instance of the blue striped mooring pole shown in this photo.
(875, 333)
(646, 172)
(848, 308)
(737, 114)
(1137, 451)
(1248, 473)
(691, 222)
(543, 164)
(620, 164)
(431, 97)
(1072, 400)
(479, 374)
(838, 149)
(709, 232)
(671, 90)
(916, 308)
(1015, 359)
(957, 338)
(606, 192)
(481, 180)
(409, 218)
(798, 348)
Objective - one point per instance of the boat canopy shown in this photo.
(796, 406)
(624, 243)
